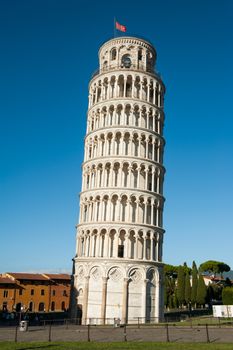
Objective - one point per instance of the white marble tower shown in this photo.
(118, 270)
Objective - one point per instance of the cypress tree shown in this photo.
(181, 285)
(194, 284)
(201, 291)
(187, 289)
(165, 292)
(175, 301)
(227, 296)
(170, 304)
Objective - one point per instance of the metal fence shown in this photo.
(200, 330)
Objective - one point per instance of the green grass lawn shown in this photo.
(112, 346)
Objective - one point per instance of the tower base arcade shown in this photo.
(122, 292)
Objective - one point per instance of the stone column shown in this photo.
(136, 247)
(104, 299)
(126, 247)
(152, 212)
(137, 210)
(154, 87)
(158, 184)
(138, 178)
(125, 300)
(151, 245)
(133, 88)
(99, 244)
(144, 247)
(106, 242)
(159, 97)
(145, 212)
(153, 150)
(148, 93)
(158, 153)
(153, 181)
(158, 126)
(115, 245)
(157, 216)
(140, 119)
(124, 92)
(87, 243)
(147, 119)
(85, 300)
(139, 146)
(140, 92)
(128, 218)
(157, 247)
(91, 245)
(118, 210)
(146, 179)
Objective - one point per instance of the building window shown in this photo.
(5, 293)
(63, 306)
(54, 293)
(32, 291)
(113, 54)
(121, 251)
(42, 292)
(140, 55)
(64, 293)
(41, 307)
(53, 306)
(30, 307)
(20, 292)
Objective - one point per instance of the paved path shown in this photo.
(111, 334)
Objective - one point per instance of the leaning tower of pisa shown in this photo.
(118, 268)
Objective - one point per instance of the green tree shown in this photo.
(214, 267)
(187, 269)
(228, 282)
(201, 291)
(181, 285)
(187, 289)
(169, 290)
(227, 296)
(170, 270)
(175, 301)
(194, 284)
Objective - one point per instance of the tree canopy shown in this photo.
(227, 296)
(171, 270)
(214, 267)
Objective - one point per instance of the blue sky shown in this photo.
(48, 53)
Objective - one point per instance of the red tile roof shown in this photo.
(27, 276)
(58, 276)
(6, 280)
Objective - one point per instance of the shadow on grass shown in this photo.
(37, 347)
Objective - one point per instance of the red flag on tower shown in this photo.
(120, 27)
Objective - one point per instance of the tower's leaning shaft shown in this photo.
(118, 262)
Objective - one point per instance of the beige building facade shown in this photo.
(118, 269)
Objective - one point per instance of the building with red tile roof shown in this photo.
(34, 292)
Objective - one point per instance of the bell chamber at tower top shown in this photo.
(127, 70)
(126, 53)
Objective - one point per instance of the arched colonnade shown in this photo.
(141, 209)
(124, 143)
(123, 174)
(134, 115)
(122, 243)
(120, 85)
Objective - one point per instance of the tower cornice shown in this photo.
(128, 40)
